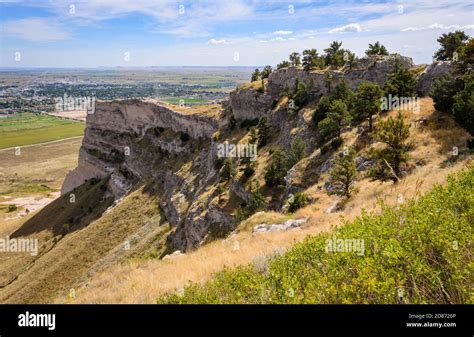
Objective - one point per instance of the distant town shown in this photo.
(37, 90)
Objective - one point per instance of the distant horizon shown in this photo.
(134, 67)
(242, 33)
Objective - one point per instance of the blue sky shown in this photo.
(83, 33)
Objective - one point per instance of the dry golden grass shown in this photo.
(78, 254)
(144, 281)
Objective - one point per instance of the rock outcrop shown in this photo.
(134, 141)
(433, 72)
(173, 149)
(118, 133)
(249, 102)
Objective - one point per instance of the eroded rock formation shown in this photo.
(173, 148)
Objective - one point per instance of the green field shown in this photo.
(25, 129)
(176, 100)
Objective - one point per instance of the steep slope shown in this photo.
(145, 281)
(78, 252)
(132, 140)
(149, 173)
(418, 252)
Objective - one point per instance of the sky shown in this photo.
(143, 33)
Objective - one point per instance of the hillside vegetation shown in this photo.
(317, 146)
(419, 252)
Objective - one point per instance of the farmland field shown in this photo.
(25, 129)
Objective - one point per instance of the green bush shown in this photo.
(336, 143)
(443, 91)
(463, 104)
(248, 123)
(11, 208)
(299, 200)
(325, 148)
(419, 252)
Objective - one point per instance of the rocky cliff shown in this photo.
(173, 149)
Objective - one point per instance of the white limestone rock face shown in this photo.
(248, 103)
(138, 116)
(433, 72)
(113, 134)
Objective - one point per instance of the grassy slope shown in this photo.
(421, 250)
(64, 259)
(132, 282)
(25, 129)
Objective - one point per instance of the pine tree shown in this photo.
(311, 59)
(343, 174)
(267, 70)
(322, 110)
(376, 49)
(264, 128)
(295, 59)
(350, 59)
(255, 75)
(344, 93)
(400, 82)
(256, 203)
(337, 118)
(297, 152)
(450, 43)
(283, 64)
(229, 169)
(367, 101)
(276, 171)
(394, 133)
(334, 55)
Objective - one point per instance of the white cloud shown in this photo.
(36, 30)
(278, 39)
(283, 32)
(435, 26)
(217, 42)
(350, 28)
(410, 29)
(190, 20)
